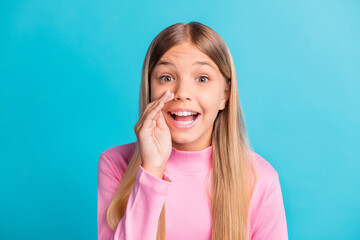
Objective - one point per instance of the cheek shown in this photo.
(210, 101)
(153, 96)
(157, 90)
(155, 93)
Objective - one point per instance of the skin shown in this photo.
(201, 88)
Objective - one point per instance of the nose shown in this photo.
(183, 90)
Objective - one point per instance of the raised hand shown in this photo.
(154, 136)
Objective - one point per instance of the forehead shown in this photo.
(185, 54)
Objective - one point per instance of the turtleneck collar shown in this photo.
(190, 161)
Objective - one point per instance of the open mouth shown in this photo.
(184, 121)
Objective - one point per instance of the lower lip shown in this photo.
(183, 126)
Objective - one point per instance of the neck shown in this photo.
(192, 146)
(190, 161)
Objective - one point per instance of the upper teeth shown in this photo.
(183, 113)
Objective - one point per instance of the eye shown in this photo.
(204, 77)
(164, 76)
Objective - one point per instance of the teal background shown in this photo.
(70, 76)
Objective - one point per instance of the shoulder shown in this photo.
(266, 174)
(267, 215)
(116, 158)
(120, 152)
(266, 170)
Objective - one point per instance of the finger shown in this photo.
(155, 103)
(171, 97)
(160, 121)
(167, 95)
(164, 95)
(148, 122)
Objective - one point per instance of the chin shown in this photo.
(184, 138)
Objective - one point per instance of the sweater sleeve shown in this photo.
(269, 219)
(144, 206)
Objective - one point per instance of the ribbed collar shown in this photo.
(190, 161)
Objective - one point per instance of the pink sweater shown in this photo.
(183, 188)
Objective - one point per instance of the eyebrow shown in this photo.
(166, 63)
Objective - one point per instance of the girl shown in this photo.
(191, 174)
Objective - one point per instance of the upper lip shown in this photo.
(182, 110)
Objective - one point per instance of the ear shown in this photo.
(226, 95)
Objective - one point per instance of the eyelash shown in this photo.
(160, 78)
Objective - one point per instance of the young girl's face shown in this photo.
(198, 86)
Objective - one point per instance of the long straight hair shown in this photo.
(234, 172)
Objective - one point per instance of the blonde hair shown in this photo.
(234, 172)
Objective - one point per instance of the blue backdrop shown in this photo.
(70, 77)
